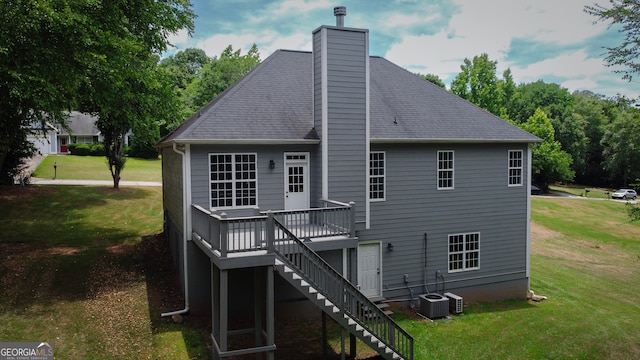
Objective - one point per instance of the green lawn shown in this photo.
(95, 168)
(86, 268)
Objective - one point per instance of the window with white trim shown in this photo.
(464, 252)
(376, 176)
(445, 169)
(233, 180)
(515, 167)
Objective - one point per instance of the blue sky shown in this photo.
(552, 40)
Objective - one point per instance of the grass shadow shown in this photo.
(164, 295)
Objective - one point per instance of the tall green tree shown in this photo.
(94, 56)
(553, 99)
(183, 68)
(595, 112)
(478, 83)
(435, 79)
(621, 141)
(625, 13)
(549, 162)
(124, 86)
(220, 73)
(42, 48)
(558, 104)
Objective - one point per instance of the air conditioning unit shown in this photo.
(455, 303)
(434, 306)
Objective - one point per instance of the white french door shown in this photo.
(296, 182)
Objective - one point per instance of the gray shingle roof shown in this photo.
(81, 124)
(274, 102)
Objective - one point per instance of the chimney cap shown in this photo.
(340, 12)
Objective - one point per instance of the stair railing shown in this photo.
(338, 290)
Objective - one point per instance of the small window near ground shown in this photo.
(445, 170)
(515, 167)
(376, 176)
(464, 252)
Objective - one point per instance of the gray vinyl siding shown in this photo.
(270, 181)
(346, 103)
(317, 81)
(172, 186)
(482, 202)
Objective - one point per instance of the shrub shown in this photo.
(80, 149)
(633, 211)
(97, 149)
(142, 151)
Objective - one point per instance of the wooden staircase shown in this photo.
(381, 304)
(339, 299)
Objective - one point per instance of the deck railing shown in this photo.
(248, 233)
(340, 291)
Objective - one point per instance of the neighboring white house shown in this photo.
(55, 139)
(81, 129)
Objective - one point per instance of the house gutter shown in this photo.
(186, 190)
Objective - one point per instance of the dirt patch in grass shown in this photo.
(579, 253)
(13, 193)
(19, 250)
(119, 191)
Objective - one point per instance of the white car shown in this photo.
(625, 194)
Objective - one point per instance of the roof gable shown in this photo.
(406, 107)
(272, 102)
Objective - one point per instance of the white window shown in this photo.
(376, 176)
(464, 252)
(515, 167)
(445, 169)
(233, 180)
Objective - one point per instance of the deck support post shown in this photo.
(224, 311)
(270, 302)
(352, 346)
(342, 344)
(325, 352)
(258, 306)
(215, 308)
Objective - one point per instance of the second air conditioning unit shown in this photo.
(455, 303)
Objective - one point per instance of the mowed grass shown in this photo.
(96, 168)
(87, 268)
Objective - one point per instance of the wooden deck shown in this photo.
(222, 237)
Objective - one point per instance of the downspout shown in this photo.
(185, 232)
(425, 275)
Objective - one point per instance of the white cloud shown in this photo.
(285, 8)
(214, 45)
(267, 42)
(569, 65)
(180, 37)
(489, 26)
